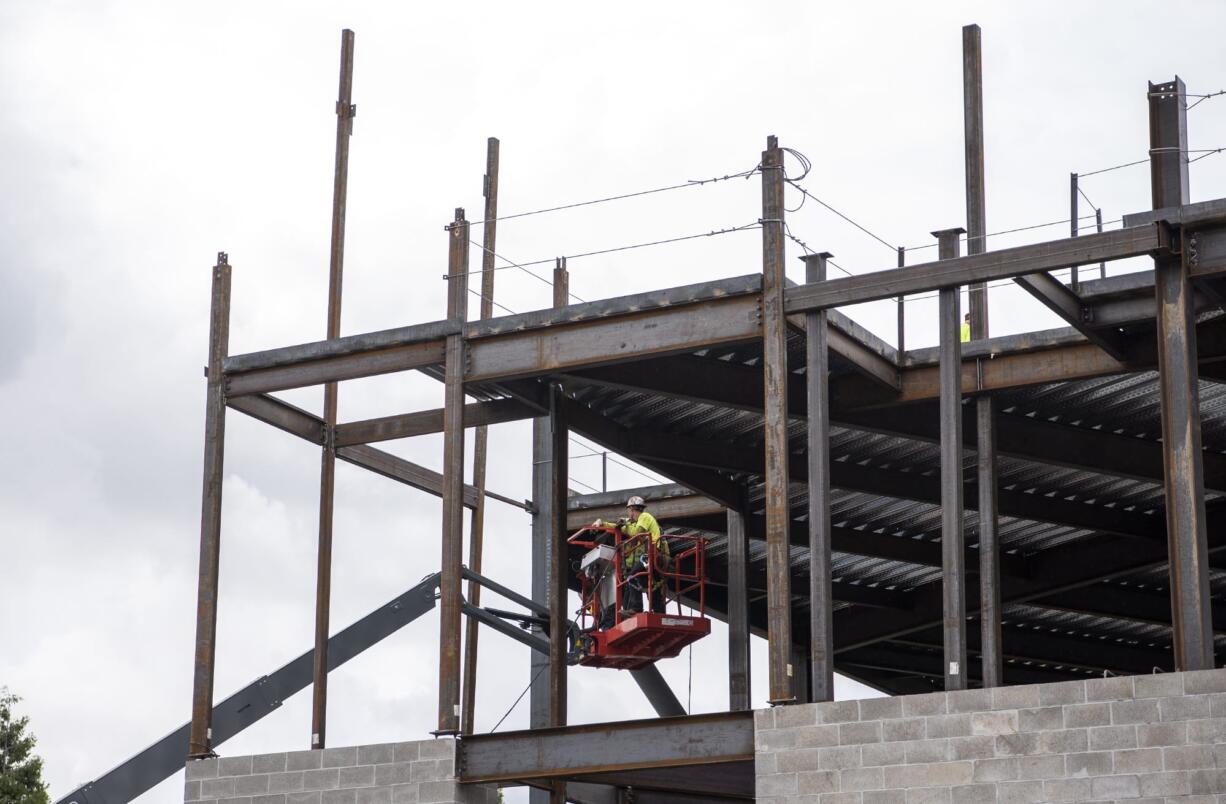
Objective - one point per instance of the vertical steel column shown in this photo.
(1183, 480)
(1074, 229)
(327, 470)
(476, 529)
(953, 559)
(985, 427)
(738, 613)
(802, 675)
(972, 124)
(559, 458)
(541, 553)
(775, 373)
(453, 483)
(1098, 227)
(821, 623)
(200, 743)
(902, 309)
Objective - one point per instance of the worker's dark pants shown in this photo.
(633, 599)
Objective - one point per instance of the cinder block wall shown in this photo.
(420, 772)
(1157, 738)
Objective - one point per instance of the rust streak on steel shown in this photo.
(480, 441)
(327, 471)
(985, 463)
(953, 558)
(1074, 213)
(1178, 391)
(775, 376)
(450, 612)
(821, 599)
(201, 737)
(558, 559)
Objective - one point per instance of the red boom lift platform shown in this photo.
(614, 574)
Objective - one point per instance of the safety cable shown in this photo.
(691, 183)
(540, 670)
(521, 266)
(1203, 98)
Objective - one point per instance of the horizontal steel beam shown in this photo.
(986, 267)
(602, 747)
(297, 421)
(625, 328)
(424, 422)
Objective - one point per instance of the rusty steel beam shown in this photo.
(450, 599)
(1178, 391)
(986, 267)
(480, 441)
(953, 555)
(327, 470)
(200, 740)
(425, 422)
(632, 336)
(820, 658)
(775, 428)
(296, 421)
(985, 424)
(599, 747)
(1064, 302)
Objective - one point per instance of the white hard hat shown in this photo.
(636, 502)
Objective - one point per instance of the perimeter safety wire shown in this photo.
(689, 183)
(805, 166)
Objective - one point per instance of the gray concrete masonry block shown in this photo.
(1152, 738)
(421, 772)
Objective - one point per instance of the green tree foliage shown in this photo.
(21, 773)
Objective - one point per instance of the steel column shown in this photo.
(559, 459)
(738, 613)
(972, 124)
(775, 373)
(327, 470)
(817, 381)
(450, 599)
(200, 742)
(976, 243)
(953, 560)
(1179, 392)
(1074, 214)
(901, 303)
(476, 531)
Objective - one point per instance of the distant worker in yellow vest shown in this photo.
(640, 528)
(966, 328)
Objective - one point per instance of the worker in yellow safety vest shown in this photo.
(639, 528)
(966, 328)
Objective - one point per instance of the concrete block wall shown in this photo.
(421, 772)
(1154, 738)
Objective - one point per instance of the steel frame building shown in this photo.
(1035, 507)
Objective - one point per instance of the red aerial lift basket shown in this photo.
(614, 574)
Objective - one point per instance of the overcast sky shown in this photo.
(140, 138)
